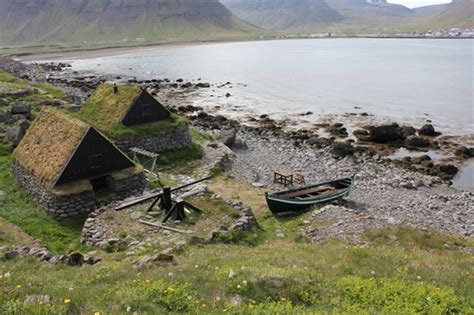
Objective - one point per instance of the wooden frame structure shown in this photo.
(283, 178)
(151, 155)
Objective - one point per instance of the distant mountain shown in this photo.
(368, 8)
(108, 21)
(317, 15)
(457, 14)
(284, 14)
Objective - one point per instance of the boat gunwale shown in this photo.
(275, 196)
(343, 193)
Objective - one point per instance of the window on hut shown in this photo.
(146, 110)
(95, 161)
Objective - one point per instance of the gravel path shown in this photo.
(383, 194)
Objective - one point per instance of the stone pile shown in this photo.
(94, 231)
(44, 255)
(244, 222)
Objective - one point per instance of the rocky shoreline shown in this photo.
(389, 191)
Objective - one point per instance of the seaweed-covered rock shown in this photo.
(417, 142)
(385, 133)
(342, 149)
(465, 152)
(428, 130)
(445, 171)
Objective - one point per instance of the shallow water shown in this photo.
(406, 79)
(465, 179)
(403, 152)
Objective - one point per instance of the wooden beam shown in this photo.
(161, 226)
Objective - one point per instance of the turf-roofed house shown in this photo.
(70, 168)
(131, 117)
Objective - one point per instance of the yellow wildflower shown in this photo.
(97, 313)
(18, 286)
(67, 301)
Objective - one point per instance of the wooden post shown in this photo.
(153, 165)
(166, 201)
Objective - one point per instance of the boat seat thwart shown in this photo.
(312, 191)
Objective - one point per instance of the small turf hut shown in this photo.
(70, 168)
(131, 117)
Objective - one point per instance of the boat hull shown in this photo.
(281, 205)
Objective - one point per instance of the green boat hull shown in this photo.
(281, 205)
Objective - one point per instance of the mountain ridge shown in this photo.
(351, 16)
(79, 21)
(284, 14)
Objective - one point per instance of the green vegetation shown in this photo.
(276, 275)
(51, 90)
(17, 207)
(11, 82)
(62, 27)
(176, 158)
(38, 94)
(105, 109)
(5, 149)
(199, 136)
(271, 270)
(156, 128)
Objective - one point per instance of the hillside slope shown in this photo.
(459, 13)
(351, 16)
(368, 8)
(284, 14)
(108, 21)
(317, 15)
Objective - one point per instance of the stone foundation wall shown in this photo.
(83, 203)
(127, 187)
(174, 139)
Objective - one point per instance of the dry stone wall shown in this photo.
(74, 205)
(177, 138)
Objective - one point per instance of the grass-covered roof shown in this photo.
(48, 145)
(105, 111)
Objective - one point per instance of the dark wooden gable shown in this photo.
(145, 109)
(94, 157)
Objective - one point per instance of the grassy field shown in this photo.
(271, 270)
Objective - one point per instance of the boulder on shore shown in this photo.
(385, 133)
(408, 131)
(228, 137)
(445, 171)
(417, 142)
(465, 152)
(361, 134)
(428, 130)
(342, 149)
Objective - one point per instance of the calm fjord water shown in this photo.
(400, 78)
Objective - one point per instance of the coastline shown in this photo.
(329, 130)
(89, 53)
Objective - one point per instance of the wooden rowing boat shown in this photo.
(297, 200)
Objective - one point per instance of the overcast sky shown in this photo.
(418, 3)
